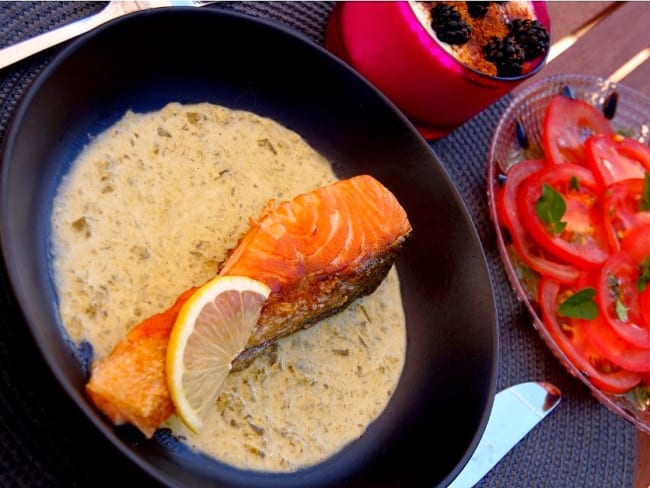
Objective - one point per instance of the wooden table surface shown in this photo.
(610, 40)
(606, 39)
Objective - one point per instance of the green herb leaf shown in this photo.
(574, 184)
(644, 204)
(621, 310)
(644, 275)
(550, 208)
(580, 305)
(641, 396)
(628, 132)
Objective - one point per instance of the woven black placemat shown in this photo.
(580, 444)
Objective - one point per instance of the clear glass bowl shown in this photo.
(527, 110)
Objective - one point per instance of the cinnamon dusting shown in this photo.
(493, 24)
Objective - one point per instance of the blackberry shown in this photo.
(449, 25)
(477, 10)
(530, 35)
(506, 55)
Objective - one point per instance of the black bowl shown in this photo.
(439, 410)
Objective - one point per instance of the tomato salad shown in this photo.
(577, 221)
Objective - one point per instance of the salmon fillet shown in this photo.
(318, 253)
(130, 384)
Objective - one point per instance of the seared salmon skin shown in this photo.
(318, 253)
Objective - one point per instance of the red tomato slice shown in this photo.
(617, 350)
(571, 338)
(610, 344)
(644, 302)
(621, 210)
(530, 253)
(613, 157)
(567, 124)
(637, 242)
(618, 299)
(583, 242)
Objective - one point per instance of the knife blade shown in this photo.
(515, 412)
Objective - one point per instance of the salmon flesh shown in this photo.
(318, 253)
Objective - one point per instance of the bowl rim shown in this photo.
(10, 141)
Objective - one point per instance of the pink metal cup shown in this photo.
(386, 43)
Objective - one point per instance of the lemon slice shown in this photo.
(211, 329)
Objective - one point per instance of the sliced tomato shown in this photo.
(583, 242)
(616, 349)
(529, 252)
(637, 242)
(610, 344)
(577, 346)
(613, 157)
(567, 124)
(618, 299)
(621, 210)
(644, 302)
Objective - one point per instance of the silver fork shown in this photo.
(114, 9)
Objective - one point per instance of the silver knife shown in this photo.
(515, 412)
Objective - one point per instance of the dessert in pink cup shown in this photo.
(394, 45)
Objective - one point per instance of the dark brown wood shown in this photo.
(642, 479)
(608, 45)
(568, 17)
(639, 79)
(611, 34)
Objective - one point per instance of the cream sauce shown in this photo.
(151, 207)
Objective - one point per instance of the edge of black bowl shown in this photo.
(82, 402)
